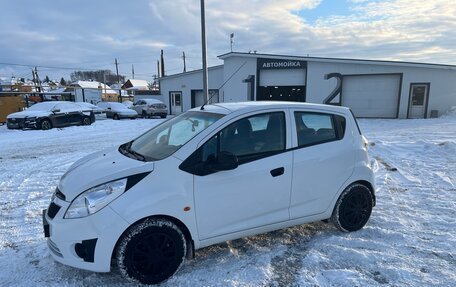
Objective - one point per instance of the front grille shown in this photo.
(54, 249)
(59, 194)
(52, 210)
(16, 120)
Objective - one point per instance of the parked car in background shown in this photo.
(117, 111)
(207, 176)
(150, 107)
(48, 115)
(90, 107)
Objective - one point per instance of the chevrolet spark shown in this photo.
(209, 175)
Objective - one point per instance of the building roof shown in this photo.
(336, 60)
(94, 85)
(134, 84)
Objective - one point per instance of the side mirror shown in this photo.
(55, 110)
(225, 161)
(109, 108)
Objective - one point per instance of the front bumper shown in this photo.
(127, 116)
(86, 243)
(17, 123)
(157, 112)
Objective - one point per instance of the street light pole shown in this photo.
(204, 53)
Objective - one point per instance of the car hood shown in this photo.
(25, 114)
(99, 168)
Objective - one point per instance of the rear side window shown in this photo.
(315, 128)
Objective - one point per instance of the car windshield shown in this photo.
(152, 101)
(42, 106)
(166, 138)
(118, 106)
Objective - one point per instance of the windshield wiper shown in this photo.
(126, 150)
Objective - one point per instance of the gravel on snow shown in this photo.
(409, 240)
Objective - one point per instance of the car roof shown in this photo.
(227, 108)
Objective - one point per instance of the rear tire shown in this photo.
(46, 124)
(86, 121)
(353, 208)
(151, 251)
(115, 117)
(163, 116)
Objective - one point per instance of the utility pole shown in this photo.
(34, 85)
(118, 80)
(104, 82)
(133, 71)
(117, 71)
(162, 67)
(185, 66)
(231, 41)
(204, 53)
(158, 69)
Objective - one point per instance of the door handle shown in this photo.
(277, 171)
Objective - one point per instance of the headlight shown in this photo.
(94, 199)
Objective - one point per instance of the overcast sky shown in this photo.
(89, 34)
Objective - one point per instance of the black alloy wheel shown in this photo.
(46, 124)
(151, 251)
(353, 208)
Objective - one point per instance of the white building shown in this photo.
(91, 91)
(371, 88)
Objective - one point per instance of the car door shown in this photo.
(322, 162)
(257, 192)
(109, 111)
(59, 116)
(138, 106)
(74, 114)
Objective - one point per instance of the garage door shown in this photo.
(372, 96)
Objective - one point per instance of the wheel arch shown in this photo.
(41, 119)
(176, 221)
(368, 185)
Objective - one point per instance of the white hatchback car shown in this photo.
(206, 176)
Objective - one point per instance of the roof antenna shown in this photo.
(240, 67)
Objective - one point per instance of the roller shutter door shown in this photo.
(372, 96)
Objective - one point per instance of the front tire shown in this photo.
(144, 114)
(151, 251)
(353, 208)
(46, 124)
(115, 117)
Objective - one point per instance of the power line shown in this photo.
(46, 67)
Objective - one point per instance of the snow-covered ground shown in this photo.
(409, 241)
